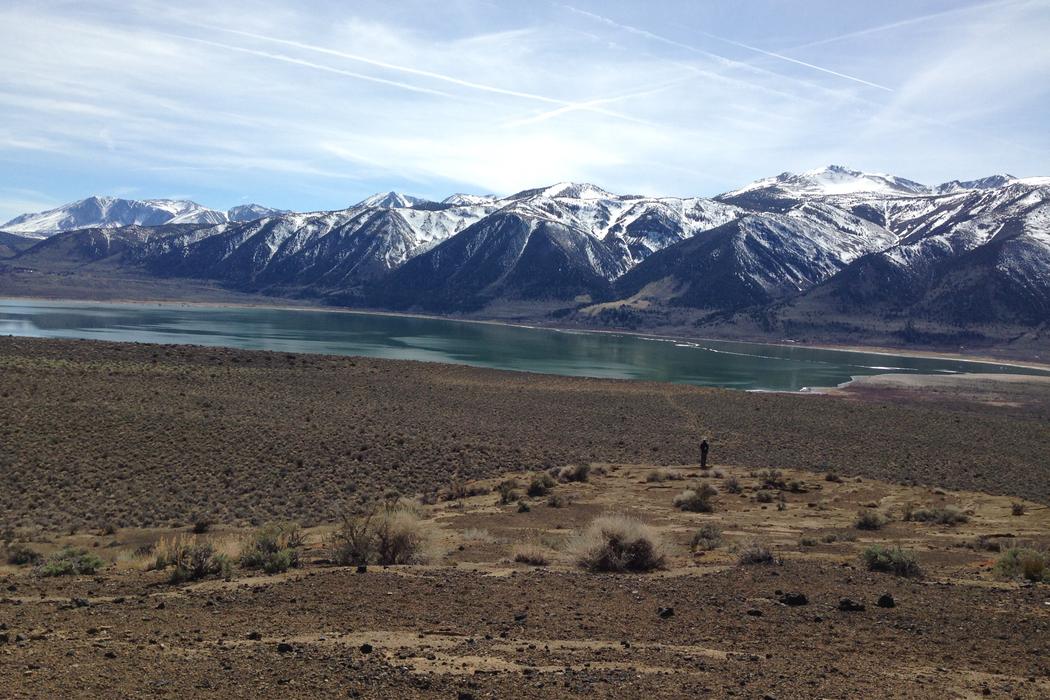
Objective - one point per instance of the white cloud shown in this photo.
(311, 109)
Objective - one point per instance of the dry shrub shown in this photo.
(947, 515)
(508, 491)
(540, 485)
(870, 520)
(708, 537)
(831, 537)
(530, 554)
(892, 559)
(658, 476)
(189, 558)
(458, 490)
(274, 548)
(70, 562)
(696, 500)
(576, 472)
(756, 552)
(386, 537)
(21, 555)
(1017, 508)
(619, 543)
(772, 479)
(733, 485)
(1023, 562)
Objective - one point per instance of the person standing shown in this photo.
(704, 448)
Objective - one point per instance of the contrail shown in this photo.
(908, 22)
(782, 57)
(671, 42)
(422, 73)
(590, 104)
(308, 64)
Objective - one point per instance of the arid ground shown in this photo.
(117, 450)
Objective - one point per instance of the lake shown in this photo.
(707, 362)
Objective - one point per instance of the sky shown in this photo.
(315, 105)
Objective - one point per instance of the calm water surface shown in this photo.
(708, 362)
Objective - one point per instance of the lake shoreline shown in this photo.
(870, 350)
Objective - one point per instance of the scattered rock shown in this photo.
(665, 613)
(255, 636)
(366, 648)
(284, 648)
(110, 654)
(521, 617)
(886, 601)
(847, 605)
(81, 602)
(754, 612)
(794, 599)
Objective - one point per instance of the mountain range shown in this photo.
(795, 251)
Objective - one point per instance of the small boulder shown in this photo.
(886, 601)
(794, 599)
(665, 613)
(366, 648)
(255, 636)
(284, 648)
(848, 605)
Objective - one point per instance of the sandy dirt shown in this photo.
(474, 623)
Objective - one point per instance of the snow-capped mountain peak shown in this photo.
(390, 200)
(566, 190)
(461, 199)
(834, 180)
(111, 212)
(984, 183)
(250, 212)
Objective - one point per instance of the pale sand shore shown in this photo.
(976, 383)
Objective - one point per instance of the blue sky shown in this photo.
(314, 105)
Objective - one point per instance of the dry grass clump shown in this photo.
(894, 560)
(765, 496)
(733, 485)
(387, 537)
(619, 543)
(658, 476)
(708, 537)
(870, 520)
(1026, 563)
(274, 548)
(70, 562)
(696, 500)
(946, 515)
(756, 552)
(530, 554)
(832, 537)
